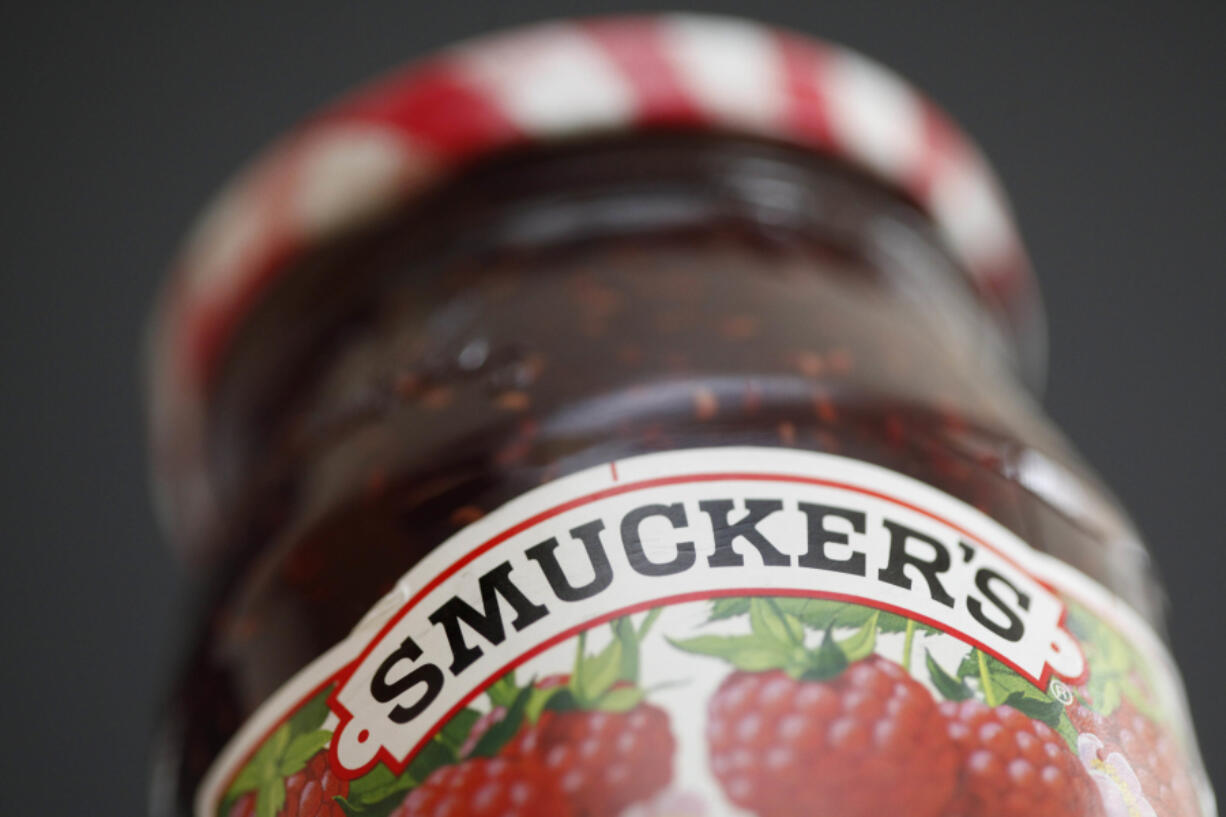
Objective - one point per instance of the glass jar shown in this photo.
(757, 358)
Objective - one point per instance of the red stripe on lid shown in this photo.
(636, 47)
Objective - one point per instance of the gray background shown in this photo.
(1106, 123)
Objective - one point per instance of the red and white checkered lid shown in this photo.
(559, 81)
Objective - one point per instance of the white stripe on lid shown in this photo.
(550, 81)
(348, 174)
(875, 117)
(732, 70)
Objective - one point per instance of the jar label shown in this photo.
(728, 631)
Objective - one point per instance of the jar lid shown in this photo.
(403, 134)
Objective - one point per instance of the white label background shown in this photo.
(735, 473)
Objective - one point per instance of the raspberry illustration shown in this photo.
(309, 792)
(1014, 766)
(1087, 720)
(486, 787)
(603, 761)
(243, 806)
(866, 742)
(834, 728)
(591, 731)
(1157, 762)
(310, 788)
(1149, 751)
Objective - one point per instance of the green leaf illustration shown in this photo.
(827, 662)
(862, 643)
(285, 752)
(1001, 686)
(433, 755)
(312, 714)
(891, 622)
(349, 809)
(556, 699)
(1048, 710)
(376, 808)
(596, 674)
(541, 699)
(1117, 671)
(374, 781)
(503, 691)
(729, 607)
(248, 779)
(270, 799)
(1067, 731)
(818, 614)
(274, 748)
(770, 623)
(648, 621)
(501, 732)
(969, 665)
(629, 638)
(1006, 682)
(263, 764)
(745, 652)
(778, 638)
(301, 749)
(953, 689)
(378, 792)
(620, 699)
(457, 729)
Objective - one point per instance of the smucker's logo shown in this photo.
(679, 539)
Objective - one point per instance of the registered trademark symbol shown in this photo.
(1060, 691)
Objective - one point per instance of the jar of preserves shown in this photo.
(637, 417)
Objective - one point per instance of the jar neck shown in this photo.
(592, 190)
(308, 360)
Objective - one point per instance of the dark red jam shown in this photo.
(550, 310)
